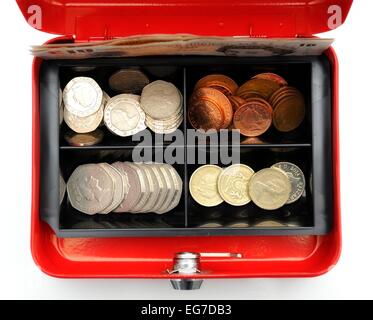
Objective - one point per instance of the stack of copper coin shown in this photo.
(218, 103)
(209, 105)
(288, 108)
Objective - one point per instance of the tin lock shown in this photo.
(188, 263)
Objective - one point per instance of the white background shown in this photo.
(351, 278)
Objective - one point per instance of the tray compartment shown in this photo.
(70, 218)
(296, 72)
(101, 74)
(298, 215)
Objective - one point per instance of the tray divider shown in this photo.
(186, 177)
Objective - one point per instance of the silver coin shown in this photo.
(296, 177)
(82, 96)
(178, 187)
(153, 188)
(144, 187)
(170, 186)
(83, 124)
(90, 189)
(118, 187)
(105, 100)
(160, 99)
(163, 191)
(62, 189)
(165, 122)
(164, 128)
(123, 115)
(134, 185)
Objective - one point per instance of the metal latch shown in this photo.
(188, 263)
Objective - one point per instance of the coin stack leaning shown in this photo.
(162, 103)
(238, 184)
(288, 108)
(124, 187)
(84, 104)
(209, 106)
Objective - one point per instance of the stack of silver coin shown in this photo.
(84, 104)
(124, 187)
(162, 103)
(123, 115)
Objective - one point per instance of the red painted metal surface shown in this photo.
(268, 18)
(263, 256)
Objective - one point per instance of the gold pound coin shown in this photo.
(270, 188)
(233, 184)
(203, 185)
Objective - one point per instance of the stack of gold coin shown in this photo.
(238, 184)
(162, 103)
(233, 184)
(203, 185)
(269, 188)
(124, 187)
(210, 185)
(84, 104)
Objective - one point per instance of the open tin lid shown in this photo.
(89, 19)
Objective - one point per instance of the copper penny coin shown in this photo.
(282, 93)
(263, 87)
(205, 114)
(236, 102)
(271, 76)
(289, 113)
(253, 118)
(219, 82)
(128, 81)
(210, 109)
(84, 139)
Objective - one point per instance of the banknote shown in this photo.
(184, 44)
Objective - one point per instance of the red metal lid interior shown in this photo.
(115, 18)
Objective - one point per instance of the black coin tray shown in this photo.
(309, 147)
